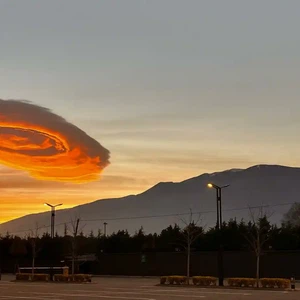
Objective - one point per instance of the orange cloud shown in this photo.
(34, 139)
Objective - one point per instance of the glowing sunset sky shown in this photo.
(171, 88)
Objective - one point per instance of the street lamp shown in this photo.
(219, 202)
(219, 227)
(52, 216)
(105, 224)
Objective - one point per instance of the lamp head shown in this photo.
(212, 185)
(52, 206)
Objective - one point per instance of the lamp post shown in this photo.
(105, 224)
(52, 230)
(219, 227)
(52, 217)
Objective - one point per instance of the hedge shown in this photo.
(73, 278)
(232, 282)
(173, 280)
(30, 277)
(204, 280)
(81, 278)
(264, 282)
(61, 278)
(275, 282)
(163, 279)
(241, 282)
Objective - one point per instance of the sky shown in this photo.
(172, 89)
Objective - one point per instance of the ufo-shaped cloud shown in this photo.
(34, 139)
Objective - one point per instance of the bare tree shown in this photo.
(258, 233)
(190, 233)
(33, 239)
(76, 228)
(292, 217)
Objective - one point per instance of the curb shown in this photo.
(225, 288)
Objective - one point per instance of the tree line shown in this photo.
(257, 235)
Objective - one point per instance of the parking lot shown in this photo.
(130, 289)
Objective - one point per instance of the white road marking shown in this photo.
(195, 291)
(159, 294)
(90, 296)
(145, 292)
(29, 284)
(23, 297)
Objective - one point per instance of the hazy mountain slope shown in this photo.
(258, 185)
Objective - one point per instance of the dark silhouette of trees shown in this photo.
(119, 242)
(257, 236)
(18, 250)
(168, 239)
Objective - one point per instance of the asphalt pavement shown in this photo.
(129, 289)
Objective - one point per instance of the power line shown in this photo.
(163, 215)
(187, 213)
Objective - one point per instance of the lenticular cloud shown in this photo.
(34, 139)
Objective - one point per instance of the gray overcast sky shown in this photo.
(172, 88)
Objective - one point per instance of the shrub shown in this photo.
(82, 277)
(241, 282)
(73, 278)
(23, 276)
(204, 280)
(177, 279)
(61, 278)
(275, 282)
(40, 277)
(173, 280)
(163, 279)
(77, 278)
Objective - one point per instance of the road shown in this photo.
(129, 289)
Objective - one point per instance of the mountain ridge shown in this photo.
(256, 185)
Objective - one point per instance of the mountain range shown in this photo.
(272, 186)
